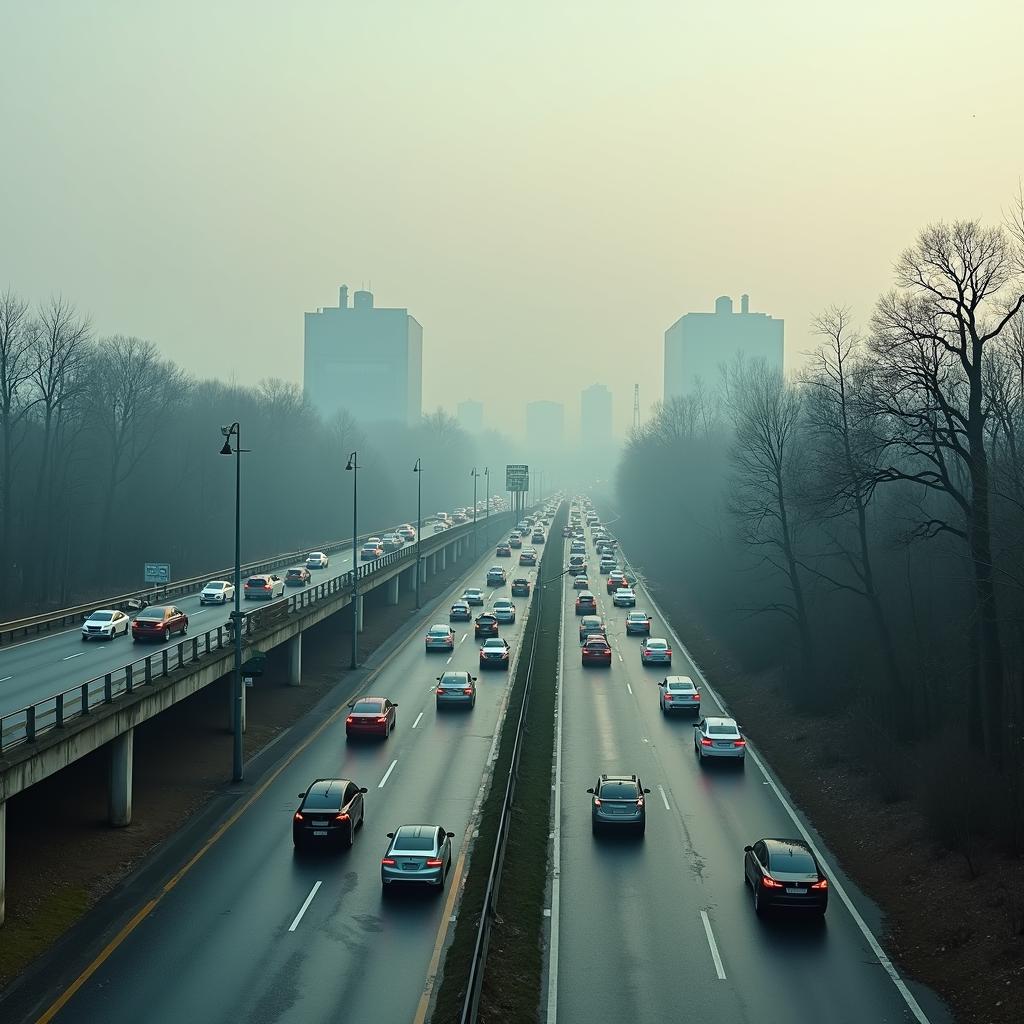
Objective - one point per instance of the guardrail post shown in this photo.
(149, 668)
(220, 637)
(108, 692)
(195, 648)
(129, 679)
(163, 662)
(30, 722)
(58, 718)
(85, 698)
(181, 654)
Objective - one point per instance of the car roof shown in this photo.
(620, 778)
(495, 641)
(783, 846)
(415, 831)
(379, 700)
(441, 627)
(451, 674)
(325, 785)
(721, 721)
(656, 640)
(502, 600)
(686, 680)
(636, 613)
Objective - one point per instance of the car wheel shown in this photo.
(184, 630)
(167, 635)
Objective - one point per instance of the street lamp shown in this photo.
(487, 503)
(353, 467)
(474, 474)
(418, 470)
(238, 692)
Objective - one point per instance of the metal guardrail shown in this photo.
(54, 711)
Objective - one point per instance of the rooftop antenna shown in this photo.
(636, 407)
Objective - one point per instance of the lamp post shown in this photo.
(418, 470)
(474, 474)
(487, 503)
(238, 692)
(353, 467)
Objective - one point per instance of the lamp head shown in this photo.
(226, 450)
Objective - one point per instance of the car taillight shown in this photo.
(597, 802)
(388, 861)
(349, 720)
(434, 862)
(823, 884)
(705, 742)
(298, 816)
(341, 817)
(769, 883)
(668, 651)
(439, 690)
(266, 586)
(468, 692)
(640, 801)
(739, 743)
(696, 696)
(381, 719)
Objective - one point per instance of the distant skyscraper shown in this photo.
(364, 359)
(545, 427)
(470, 415)
(596, 416)
(697, 345)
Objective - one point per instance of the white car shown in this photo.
(624, 597)
(504, 610)
(317, 560)
(105, 625)
(473, 595)
(217, 592)
(678, 693)
(718, 737)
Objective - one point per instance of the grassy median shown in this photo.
(515, 961)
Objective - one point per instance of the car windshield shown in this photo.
(722, 730)
(619, 791)
(408, 843)
(151, 615)
(796, 861)
(367, 707)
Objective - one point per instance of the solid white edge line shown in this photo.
(418, 717)
(719, 969)
(387, 774)
(664, 799)
(890, 968)
(70, 656)
(304, 907)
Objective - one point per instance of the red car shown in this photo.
(371, 716)
(159, 623)
(297, 577)
(616, 580)
(596, 651)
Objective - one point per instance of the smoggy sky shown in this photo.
(545, 185)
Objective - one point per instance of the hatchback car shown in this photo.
(417, 854)
(617, 801)
(496, 576)
(263, 588)
(485, 625)
(371, 716)
(520, 588)
(785, 874)
(577, 565)
(440, 637)
(624, 597)
(368, 552)
(528, 557)
(460, 612)
(159, 623)
(719, 737)
(105, 624)
(503, 551)
(607, 564)
(591, 625)
(655, 651)
(473, 595)
(586, 604)
(581, 583)
(638, 622)
(678, 693)
(455, 688)
(330, 812)
(495, 653)
(217, 592)
(317, 560)
(504, 610)
(297, 577)
(595, 651)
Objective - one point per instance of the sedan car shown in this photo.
(538, 537)
(618, 802)
(596, 651)
(586, 604)
(591, 625)
(496, 576)
(329, 814)
(460, 612)
(577, 565)
(719, 737)
(368, 552)
(616, 578)
(455, 688)
(297, 577)
(317, 560)
(485, 625)
(495, 653)
(504, 610)
(515, 541)
(624, 598)
(678, 693)
(159, 623)
(528, 557)
(581, 583)
(407, 533)
(785, 874)
(419, 854)
(473, 595)
(263, 588)
(655, 651)
(371, 716)
(607, 564)
(105, 625)
(520, 588)
(578, 547)
(217, 592)
(503, 551)
(638, 622)
(392, 542)
(440, 637)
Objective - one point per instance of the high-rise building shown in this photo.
(596, 416)
(545, 427)
(470, 415)
(364, 359)
(698, 345)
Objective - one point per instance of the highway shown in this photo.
(251, 931)
(662, 927)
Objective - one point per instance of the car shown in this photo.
(473, 595)
(392, 542)
(455, 688)
(159, 623)
(520, 587)
(784, 874)
(105, 624)
(538, 537)
(566, 531)
(581, 583)
(495, 652)
(624, 598)
(515, 541)
(485, 625)
(616, 578)
(504, 610)
(368, 552)
(607, 564)
(460, 612)
(263, 588)
(617, 801)
(596, 651)
(678, 693)
(591, 625)
(417, 854)
(577, 547)
(638, 622)
(317, 560)
(440, 637)
(528, 557)
(440, 527)
(371, 716)
(406, 532)
(217, 592)
(719, 737)
(577, 565)
(655, 651)
(586, 603)
(297, 577)
(377, 541)
(504, 551)
(329, 813)
(496, 576)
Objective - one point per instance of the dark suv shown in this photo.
(330, 812)
(785, 874)
(618, 802)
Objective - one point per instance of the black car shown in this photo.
(520, 588)
(330, 812)
(297, 577)
(785, 874)
(485, 625)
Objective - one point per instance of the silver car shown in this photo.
(678, 693)
(418, 854)
(624, 597)
(655, 651)
(455, 688)
(504, 610)
(317, 560)
(719, 737)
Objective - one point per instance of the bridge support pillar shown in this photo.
(392, 592)
(359, 613)
(423, 570)
(120, 792)
(441, 556)
(295, 660)
(3, 859)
